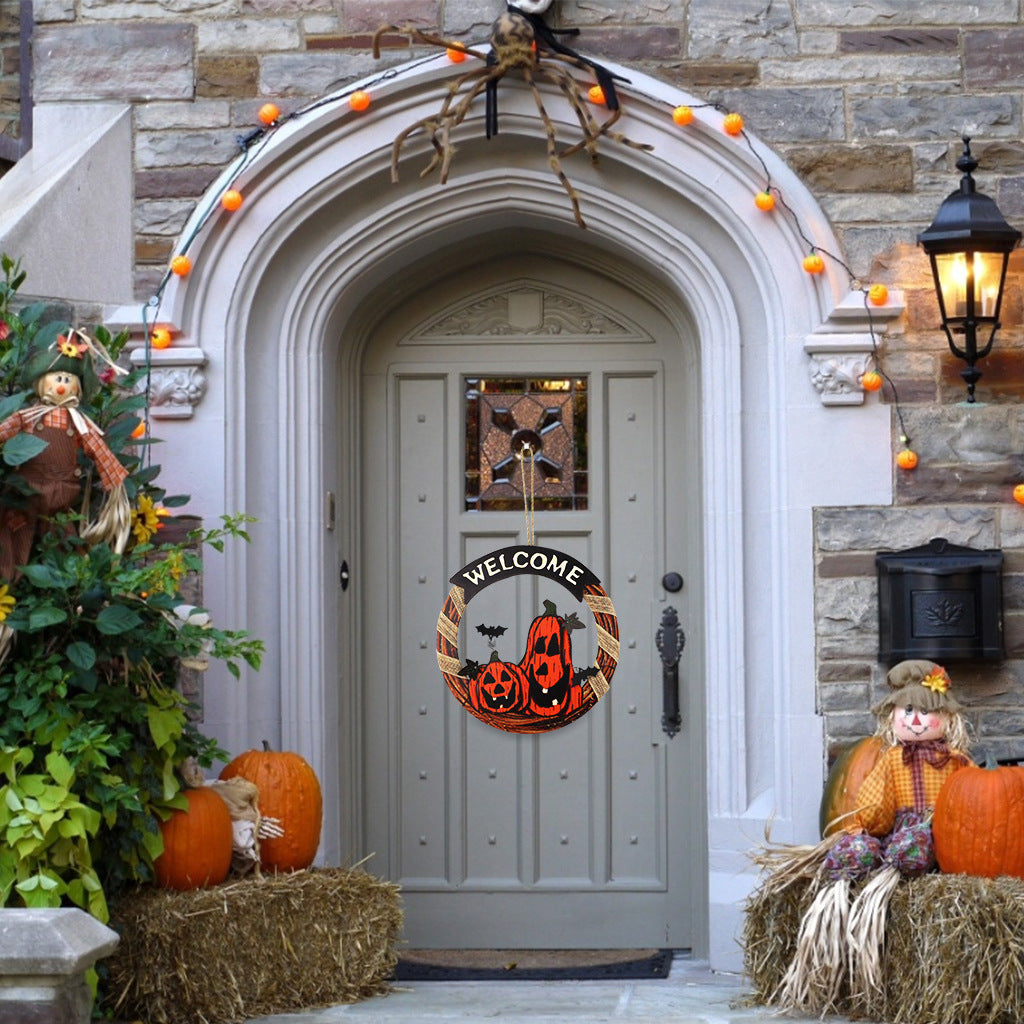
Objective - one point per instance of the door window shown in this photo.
(543, 417)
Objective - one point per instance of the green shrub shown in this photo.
(93, 727)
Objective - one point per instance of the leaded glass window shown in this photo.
(507, 417)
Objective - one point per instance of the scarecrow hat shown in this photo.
(922, 684)
(70, 352)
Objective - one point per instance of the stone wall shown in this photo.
(866, 102)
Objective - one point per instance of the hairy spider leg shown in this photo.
(553, 161)
(418, 36)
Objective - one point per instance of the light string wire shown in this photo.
(253, 144)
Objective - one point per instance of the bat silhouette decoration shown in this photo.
(491, 632)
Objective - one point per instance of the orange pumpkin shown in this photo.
(978, 823)
(548, 666)
(197, 843)
(289, 793)
(851, 768)
(500, 686)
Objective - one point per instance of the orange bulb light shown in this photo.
(878, 294)
(764, 201)
(160, 338)
(871, 381)
(231, 200)
(455, 55)
(269, 113)
(1018, 494)
(813, 263)
(359, 100)
(181, 265)
(683, 115)
(733, 124)
(907, 459)
(140, 431)
(596, 94)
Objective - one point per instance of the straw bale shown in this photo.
(953, 954)
(253, 947)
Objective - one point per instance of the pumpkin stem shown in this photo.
(266, 745)
(549, 608)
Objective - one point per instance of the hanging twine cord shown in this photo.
(528, 494)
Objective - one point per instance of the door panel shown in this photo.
(575, 836)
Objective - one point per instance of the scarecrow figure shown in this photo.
(888, 837)
(54, 474)
(922, 726)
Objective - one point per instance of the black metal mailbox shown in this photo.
(940, 601)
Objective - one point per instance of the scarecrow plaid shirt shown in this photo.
(107, 465)
(904, 779)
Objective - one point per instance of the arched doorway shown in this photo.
(287, 302)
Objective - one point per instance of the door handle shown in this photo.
(670, 641)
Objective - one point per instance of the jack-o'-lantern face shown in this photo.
(500, 686)
(548, 665)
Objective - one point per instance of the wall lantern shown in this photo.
(969, 244)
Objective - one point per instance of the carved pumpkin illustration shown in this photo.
(499, 686)
(548, 665)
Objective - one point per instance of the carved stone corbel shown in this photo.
(176, 380)
(841, 348)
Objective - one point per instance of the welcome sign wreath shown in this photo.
(544, 690)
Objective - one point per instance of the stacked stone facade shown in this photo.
(866, 102)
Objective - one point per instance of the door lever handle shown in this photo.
(670, 641)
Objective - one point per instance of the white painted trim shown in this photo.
(291, 285)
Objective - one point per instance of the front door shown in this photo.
(589, 835)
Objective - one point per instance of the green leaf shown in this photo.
(47, 577)
(12, 403)
(22, 447)
(164, 725)
(116, 619)
(81, 655)
(48, 615)
(60, 768)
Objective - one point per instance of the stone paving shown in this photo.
(692, 994)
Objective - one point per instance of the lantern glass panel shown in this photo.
(969, 283)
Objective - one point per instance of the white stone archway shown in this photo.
(281, 300)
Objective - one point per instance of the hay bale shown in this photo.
(954, 949)
(253, 947)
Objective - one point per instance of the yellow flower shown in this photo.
(146, 518)
(6, 602)
(937, 681)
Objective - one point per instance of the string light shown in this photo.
(767, 200)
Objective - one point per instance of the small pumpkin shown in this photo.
(500, 686)
(978, 825)
(548, 665)
(197, 843)
(290, 793)
(851, 768)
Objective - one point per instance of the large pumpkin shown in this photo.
(289, 793)
(978, 823)
(845, 778)
(548, 666)
(499, 686)
(197, 843)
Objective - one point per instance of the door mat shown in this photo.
(532, 964)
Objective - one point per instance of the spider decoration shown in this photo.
(520, 41)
